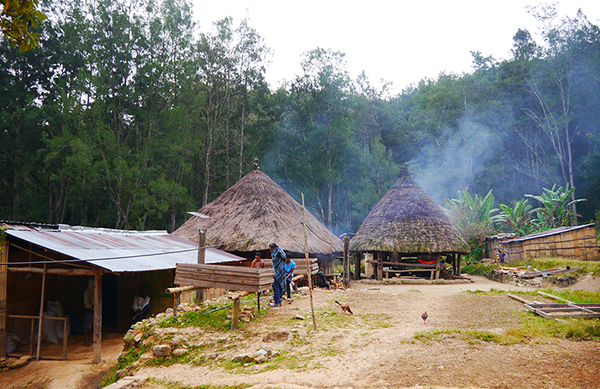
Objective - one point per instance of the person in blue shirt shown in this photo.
(278, 257)
(289, 274)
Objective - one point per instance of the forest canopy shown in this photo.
(128, 115)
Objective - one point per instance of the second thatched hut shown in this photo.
(255, 212)
(408, 230)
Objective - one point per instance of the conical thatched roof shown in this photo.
(407, 220)
(255, 206)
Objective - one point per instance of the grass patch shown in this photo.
(562, 263)
(123, 361)
(177, 385)
(374, 321)
(411, 290)
(477, 269)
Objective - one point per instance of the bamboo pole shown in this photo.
(179, 289)
(39, 338)
(3, 294)
(308, 272)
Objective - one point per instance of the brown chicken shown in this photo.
(424, 316)
(345, 307)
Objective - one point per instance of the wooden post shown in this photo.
(308, 271)
(357, 259)
(458, 264)
(176, 296)
(346, 261)
(65, 339)
(201, 254)
(39, 337)
(3, 293)
(437, 266)
(379, 266)
(97, 317)
(236, 314)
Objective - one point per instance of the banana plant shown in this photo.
(556, 210)
(517, 218)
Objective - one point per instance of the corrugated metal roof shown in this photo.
(118, 250)
(554, 231)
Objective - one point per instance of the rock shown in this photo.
(121, 373)
(146, 356)
(169, 311)
(160, 316)
(179, 352)
(175, 342)
(138, 337)
(299, 317)
(153, 321)
(275, 354)
(260, 352)
(214, 355)
(130, 334)
(245, 319)
(260, 359)
(243, 358)
(162, 350)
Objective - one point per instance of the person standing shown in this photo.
(289, 274)
(278, 257)
(258, 261)
(500, 256)
(88, 314)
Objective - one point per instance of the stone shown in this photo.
(179, 352)
(175, 342)
(162, 350)
(121, 373)
(169, 311)
(160, 316)
(146, 356)
(299, 317)
(130, 334)
(138, 337)
(214, 355)
(260, 359)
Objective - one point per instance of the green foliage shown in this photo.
(16, 18)
(556, 208)
(517, 219)
(176, 385)
(474, 217)
(477, 268)
(124, 360)
(216, 320)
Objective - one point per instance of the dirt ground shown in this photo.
(374, 348)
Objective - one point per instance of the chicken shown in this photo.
(345, 307)
(424, 316)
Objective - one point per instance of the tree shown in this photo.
(16, 18)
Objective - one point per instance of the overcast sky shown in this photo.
(398, 41)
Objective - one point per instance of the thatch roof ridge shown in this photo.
(254, 206)
(407, 220)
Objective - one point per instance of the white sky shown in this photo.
(395, 40)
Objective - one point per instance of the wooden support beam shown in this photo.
(236, 314)
(39, 335)
(179, 289)
(3, 292)
(357, 259)
(97, 318)
(239, 295)
(64, 272)
(346, 261)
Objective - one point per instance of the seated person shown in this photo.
(141, 305)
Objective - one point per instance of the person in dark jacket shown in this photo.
(278, 257)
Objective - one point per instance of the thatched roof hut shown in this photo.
(409, 222)
(242, 218)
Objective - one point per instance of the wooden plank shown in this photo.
(224, 268)
(236, 314)
(230, 286)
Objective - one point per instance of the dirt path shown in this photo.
(375, 346)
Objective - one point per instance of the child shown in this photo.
(289, 274)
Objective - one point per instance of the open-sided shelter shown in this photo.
(42, 263)
(408, 223)
(255, 212)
